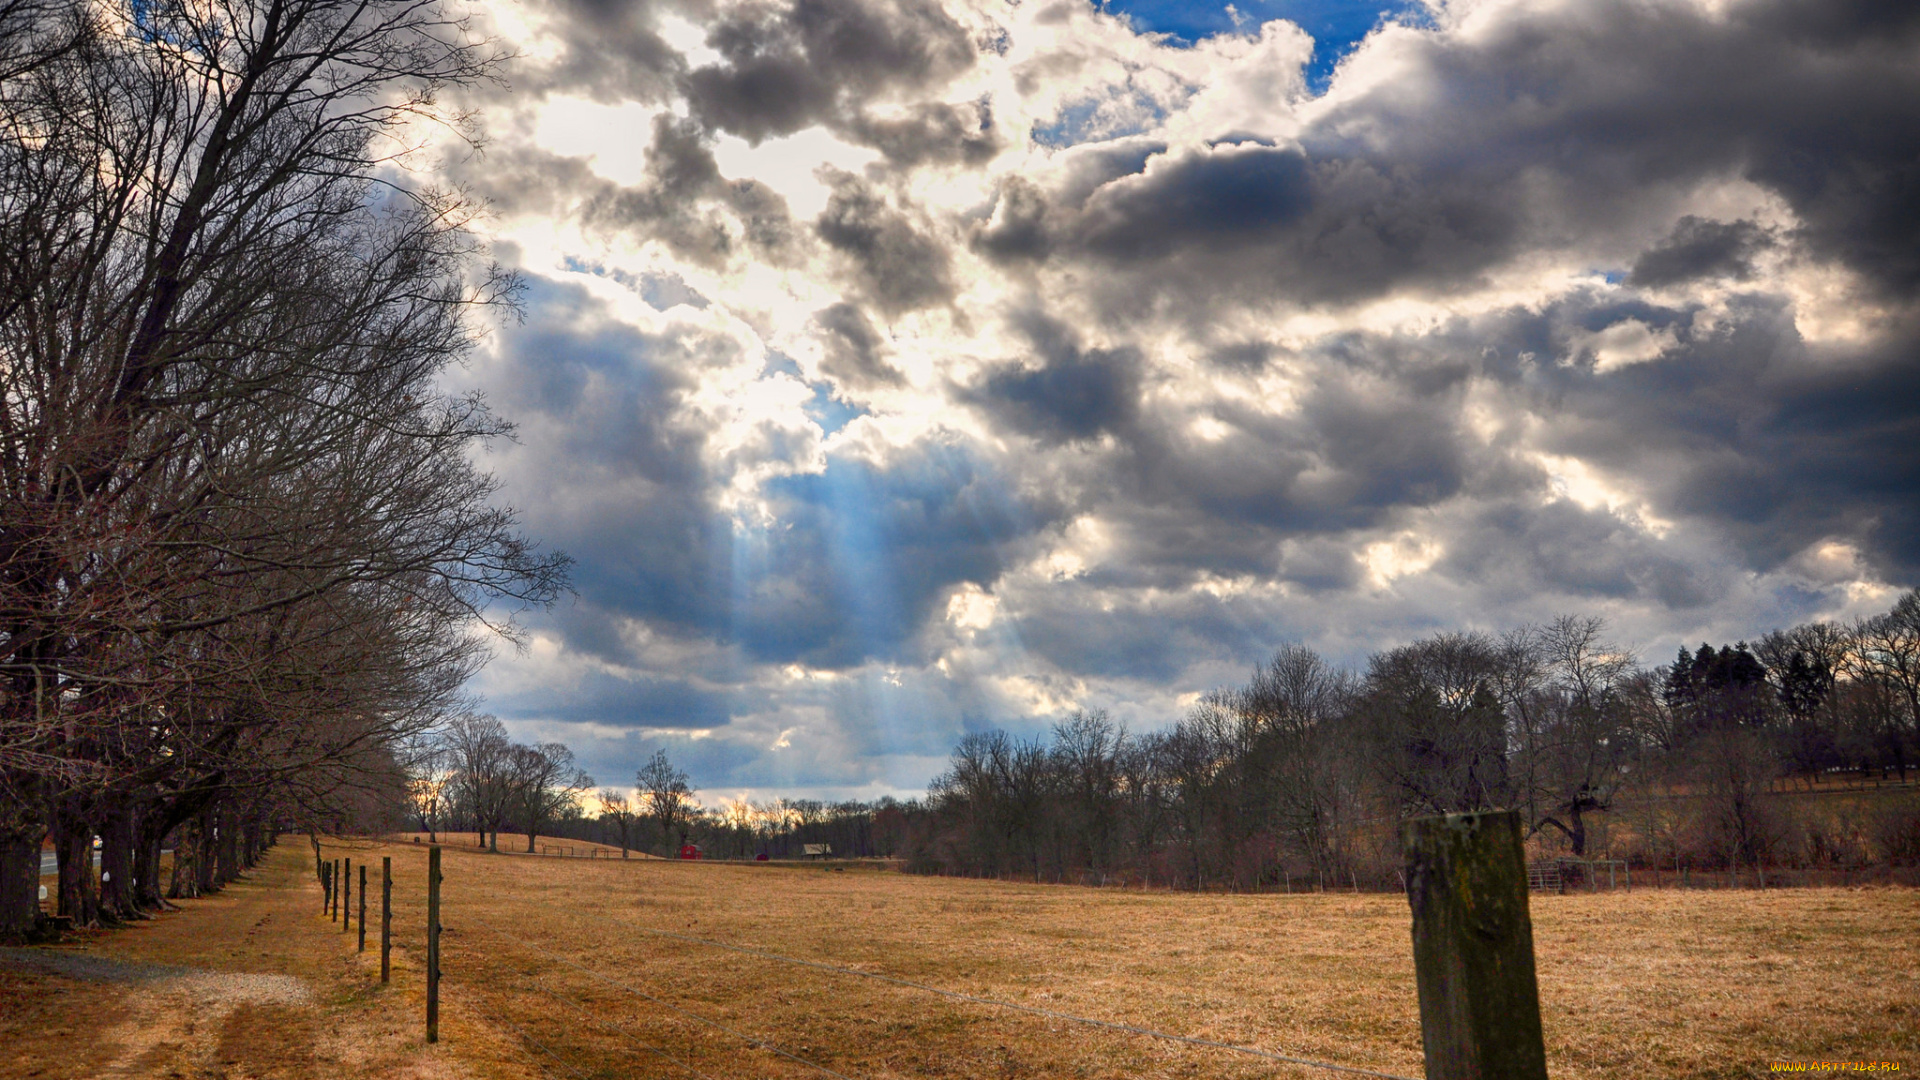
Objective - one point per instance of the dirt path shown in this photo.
(253, 983)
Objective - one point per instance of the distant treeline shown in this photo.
(1300, 777)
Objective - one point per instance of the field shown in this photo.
(558, 967)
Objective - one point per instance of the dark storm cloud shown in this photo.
(1232, 221)
(1229, 198)
(1020, 229)
(930, 133)
(789, 67)
(1319, 564)
(611, 50)
(650, 701)
(618, 475)
(1546, 125)
(1701, 249)
(1068, 394)
(898, 266)
(1738, 426)
(855, 353)
(1736, 430)
(674, 203)
(1520, 548)
(1377, 428)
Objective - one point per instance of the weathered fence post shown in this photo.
(335, 874)
(326, 888)
(386, 918)
(346, 895)
(1473, 948)
(363, 907)
(433, 944)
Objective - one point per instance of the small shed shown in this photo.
(816, 851)
(689, 851)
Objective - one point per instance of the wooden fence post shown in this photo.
(363, 907)
(386, 918)
(335, 874)
(433, 944)
(326, 888)
(1473, 948)
(346, 895)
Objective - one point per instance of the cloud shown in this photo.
(1094, 365)
(1699, 249)
(855, 351)
(784, 68)
(896, 264)
(1070, 394)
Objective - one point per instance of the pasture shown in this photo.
(560, 967)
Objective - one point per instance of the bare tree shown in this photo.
(1438, 729)
(1297, 702)
(545, 783)
(618, 809)
(430, 775)
(1086, 749)
(481, 760)
(1577, 745)
(1889, 651)
(669, 800)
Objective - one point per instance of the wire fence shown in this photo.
(477, 991)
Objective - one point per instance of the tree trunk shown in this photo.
(227, 834)
(19, 883)
(185, 844)
(205, 879)
(116, 863)
(73, 844)
(146, 863)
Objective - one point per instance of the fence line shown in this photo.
(663, 1003)
(974, 999)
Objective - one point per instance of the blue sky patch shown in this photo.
(1336, 25)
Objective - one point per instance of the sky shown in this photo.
(895, 369)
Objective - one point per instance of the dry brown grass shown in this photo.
(252, 982)
(1656, 983)
(1652, 983)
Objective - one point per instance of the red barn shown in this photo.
(689, 851)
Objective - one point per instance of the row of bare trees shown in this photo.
(1301, 775)
(662, 815)
(470, 776)
(242, 545)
